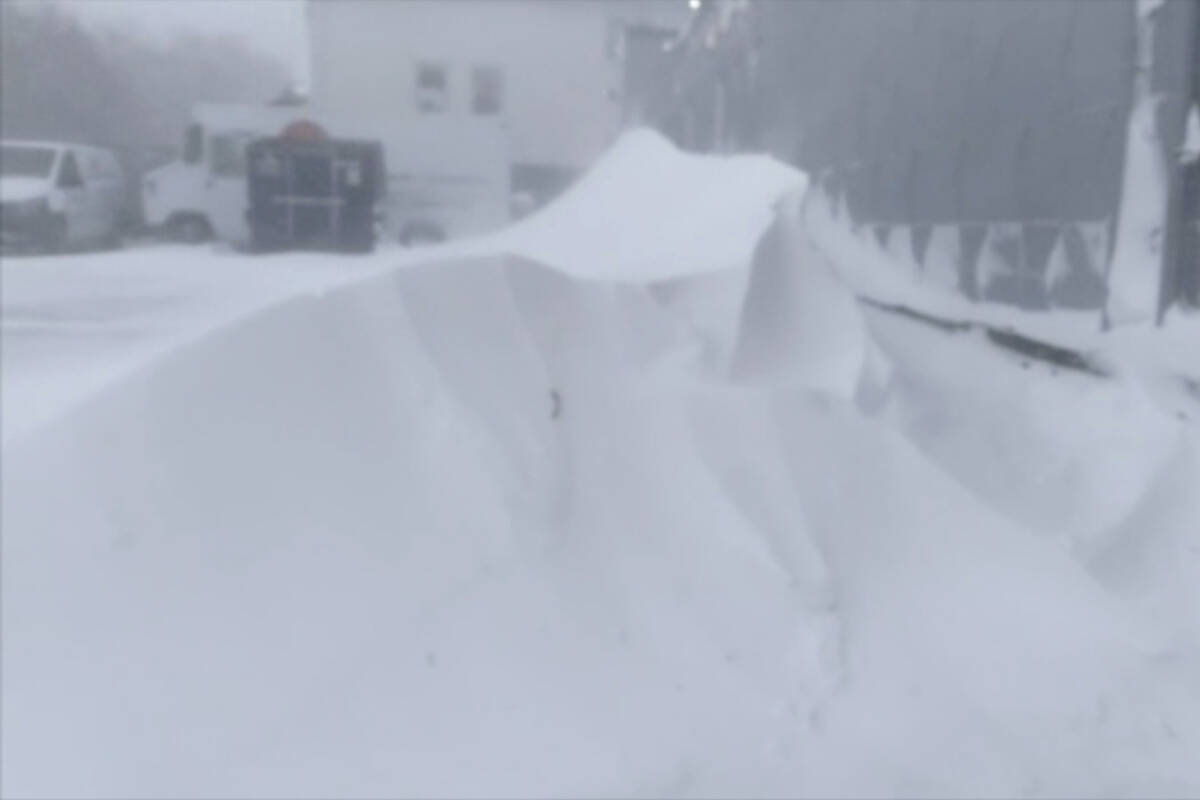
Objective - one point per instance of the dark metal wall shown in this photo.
(934, 112)
(939, 111)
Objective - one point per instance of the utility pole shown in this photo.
(1141, 214)
(1179, 105)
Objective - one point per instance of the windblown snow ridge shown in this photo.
(480, 513)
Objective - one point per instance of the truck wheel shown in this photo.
(189, 228)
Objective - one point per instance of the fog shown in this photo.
(276, 28)
(544, 398)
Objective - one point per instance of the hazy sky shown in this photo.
(275, 26)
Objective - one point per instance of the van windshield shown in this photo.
(26, 162)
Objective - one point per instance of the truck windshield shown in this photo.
(26, 162)
(229, 153)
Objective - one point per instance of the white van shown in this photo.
(56, 195)
(446, 177)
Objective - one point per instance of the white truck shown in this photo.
(447, 177)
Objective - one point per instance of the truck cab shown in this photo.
(446, 178)
(202, 195)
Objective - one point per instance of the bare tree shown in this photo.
(60, 80)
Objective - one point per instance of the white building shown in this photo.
(550, 70)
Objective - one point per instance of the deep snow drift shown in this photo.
(487, 528)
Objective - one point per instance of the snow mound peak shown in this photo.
(649, 211)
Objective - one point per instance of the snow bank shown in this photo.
(346, 547)
(1095, 466)
(1065, 453)
(1094, 463)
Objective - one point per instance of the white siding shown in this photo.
(561, 74)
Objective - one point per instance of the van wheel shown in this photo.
(189, 228)
(53, 238)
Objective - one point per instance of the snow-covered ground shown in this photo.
(631, 499)
(72, 324)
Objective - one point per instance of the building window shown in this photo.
(487, 96)
(433, 92)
